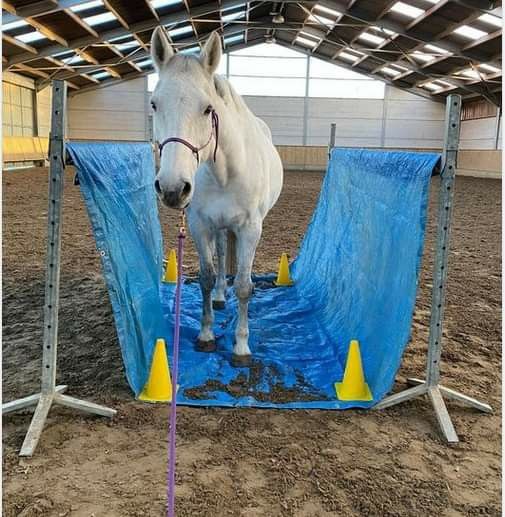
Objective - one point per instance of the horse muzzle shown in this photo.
(175, 198)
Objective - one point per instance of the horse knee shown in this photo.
(243, 289)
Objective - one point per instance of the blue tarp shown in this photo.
(355, 278)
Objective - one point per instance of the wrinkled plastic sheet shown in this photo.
(355, 278)
(116, 182)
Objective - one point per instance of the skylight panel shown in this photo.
(157, 4)
(406, 10)
(470, 32)
(14, 25)
(144, 63)
(492, 20)
(469, 72)
(383, 30)
(190, 50)
(232, 16)
(127, 45)
(327, 10)
(233, 39)
(180, 31)
(97, 19)
(422, 56)
(30, 36)
(436, 49)
(390, 71)
(371, 38)
(86, 5)
(348, 57)
(489, 68)
(322, 20)
(100, 75)
(72, 60)
(306, 42)
(437, 85)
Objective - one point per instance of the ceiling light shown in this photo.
(278, 18)
(470, 32)
(407, 10)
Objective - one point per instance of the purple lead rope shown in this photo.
(175, 363)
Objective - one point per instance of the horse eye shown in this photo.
(153, 106)
(208, 109)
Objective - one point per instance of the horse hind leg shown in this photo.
(219, 300)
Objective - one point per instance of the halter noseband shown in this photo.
(196, 150)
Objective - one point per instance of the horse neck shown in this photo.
(231, 143)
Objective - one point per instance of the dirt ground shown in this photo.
(246, 462)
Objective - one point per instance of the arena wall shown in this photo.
(300, 126)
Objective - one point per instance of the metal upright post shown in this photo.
(333, 136)
(49, 391)
(431, 386)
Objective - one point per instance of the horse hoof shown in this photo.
(241, 361)
(218, 305)
(206, 346)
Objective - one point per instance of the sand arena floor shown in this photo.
(247, 462)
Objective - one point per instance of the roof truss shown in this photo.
(427, 47)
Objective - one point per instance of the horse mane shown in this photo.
(226, 91)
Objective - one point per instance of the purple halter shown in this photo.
(196, 150)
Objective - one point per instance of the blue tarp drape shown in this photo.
(356, 277)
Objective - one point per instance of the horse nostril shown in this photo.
(157, 186)
(187, 188)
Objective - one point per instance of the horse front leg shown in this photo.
(247, 241)
(206, 339)
(219, 300)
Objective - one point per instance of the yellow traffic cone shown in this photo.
(283, 278)
(158, 387)
(353, 385)
(170, 275)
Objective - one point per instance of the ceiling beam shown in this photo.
(18, 43)
(168, 19)
(361, 15)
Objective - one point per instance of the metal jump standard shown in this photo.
(51, 393)
(431, 386)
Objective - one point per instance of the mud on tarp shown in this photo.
(356, 276)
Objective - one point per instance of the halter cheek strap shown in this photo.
(196, 150)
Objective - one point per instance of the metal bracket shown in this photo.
(431, 386)
(50, 393)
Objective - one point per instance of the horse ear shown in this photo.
(161, 51)
(211, 53)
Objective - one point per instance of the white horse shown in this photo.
(216, 160)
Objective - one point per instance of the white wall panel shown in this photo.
(117, 112)
(478, 133)
(345, 108)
